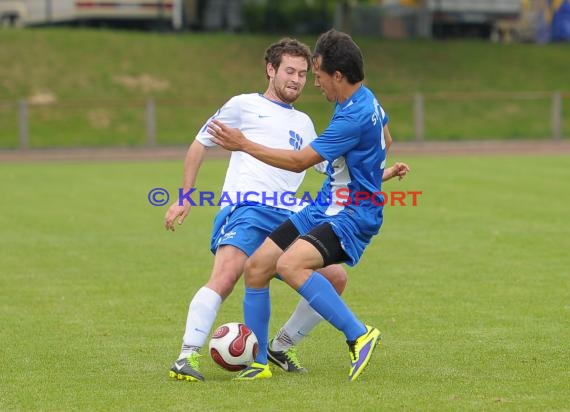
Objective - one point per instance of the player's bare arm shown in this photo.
(398, 169)
(194, 157)
(234, 140)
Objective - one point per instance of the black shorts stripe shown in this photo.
(324, 239)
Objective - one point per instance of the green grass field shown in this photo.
(470, 288)
(94, 84)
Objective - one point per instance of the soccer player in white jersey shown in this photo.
(323, 234)
(239, 229)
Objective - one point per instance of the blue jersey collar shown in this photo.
(352, 99)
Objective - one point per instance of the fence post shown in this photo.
(557, 115)
(177, 14)
(23, 124)
(49, 11)
(419, 117)
(150, 122)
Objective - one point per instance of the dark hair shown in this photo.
(340, 53)
(288, 46)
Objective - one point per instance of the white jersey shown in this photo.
(272, 124)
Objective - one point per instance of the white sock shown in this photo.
(201, 316)
(302, 321)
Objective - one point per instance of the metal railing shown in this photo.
(148, 125)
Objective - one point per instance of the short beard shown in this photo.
(283, 97)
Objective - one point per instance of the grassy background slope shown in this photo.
(98, 81)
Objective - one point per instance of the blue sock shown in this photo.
(322, 297)
(256, 312)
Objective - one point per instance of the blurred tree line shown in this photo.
(291, 16)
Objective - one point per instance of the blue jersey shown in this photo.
(355, 148)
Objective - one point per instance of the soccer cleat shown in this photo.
(254, 371)
(286, 360)
(187, 368)
(361, 350)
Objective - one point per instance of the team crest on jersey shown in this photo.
(296, 141)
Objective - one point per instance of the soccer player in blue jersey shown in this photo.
(354, 144)
(239, 228)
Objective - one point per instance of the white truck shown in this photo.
(43, 12)
(35, 12)
(438, 18)
(449, 17)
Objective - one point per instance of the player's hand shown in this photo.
(399, 169)
(174, 212)
(227, 137)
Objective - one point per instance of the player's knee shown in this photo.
(295, 274)
(337, 276)
(286, 269)
(251, 268)
(255, 272)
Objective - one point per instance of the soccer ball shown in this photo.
(233, 346)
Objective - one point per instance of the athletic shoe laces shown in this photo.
(193, 361)
(291, 355)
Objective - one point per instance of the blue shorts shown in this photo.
(351, 237)
(246, 226)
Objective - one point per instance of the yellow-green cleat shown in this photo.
(254, 371)
(187, 369)
(361, 350)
